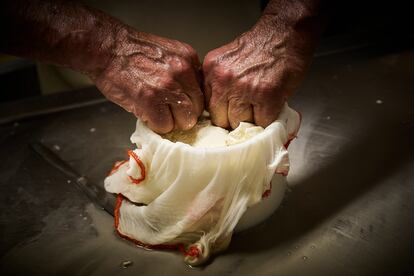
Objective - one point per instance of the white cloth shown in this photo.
(195, 196)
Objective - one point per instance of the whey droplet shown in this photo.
(82, 180)
(126, 264)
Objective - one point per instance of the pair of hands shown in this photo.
(163, 82)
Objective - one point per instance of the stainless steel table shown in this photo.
(349, 211)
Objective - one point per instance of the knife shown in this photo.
(95, 193)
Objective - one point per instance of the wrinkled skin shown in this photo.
(156, 79)
(250, 78)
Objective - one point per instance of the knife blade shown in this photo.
(94, 193)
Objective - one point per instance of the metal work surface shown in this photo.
(350, 209)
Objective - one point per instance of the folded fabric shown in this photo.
(189, 190)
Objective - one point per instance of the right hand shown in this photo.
(155, 78)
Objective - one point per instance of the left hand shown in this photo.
(250, 78)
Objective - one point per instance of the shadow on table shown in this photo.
(361, 166)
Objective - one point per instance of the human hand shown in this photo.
(250, 78)
(155, 78)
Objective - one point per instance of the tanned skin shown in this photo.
(250, 78)
(158, 79)
(155, 78)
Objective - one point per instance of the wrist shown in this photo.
(297, 15)
(101, 48)
(295, 35)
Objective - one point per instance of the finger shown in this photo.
(207, 93)
(159, 118)
(239, 111)
(198, 103)
(207, 76)
(197, 99)
(182, 109)
(191, 88)
(183, 113)
(195, 60)
(192, 53)
(186, 81)
(265, 114)
(268, 101)
(218, 106)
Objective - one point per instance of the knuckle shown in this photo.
(186, 67)
(150, 96)
(218, 96)
(224, 73)
(179, 67)
(244, 83)
(294, 68)
(166, 83)
(191, 52)
(238, 107)
(210, 61)
(264, 88)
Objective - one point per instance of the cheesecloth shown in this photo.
(176, 196)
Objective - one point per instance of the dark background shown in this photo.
(350, 205)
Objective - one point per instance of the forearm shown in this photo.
(300, 15)
(62, 33)
(298, 22)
